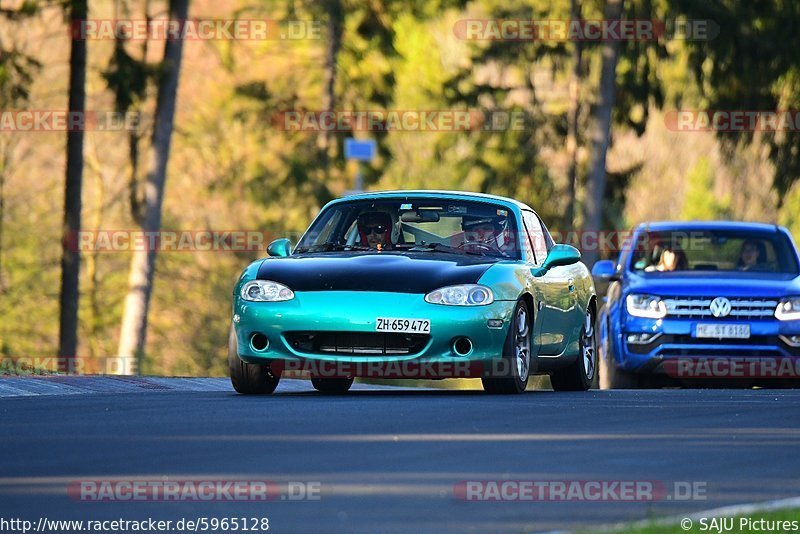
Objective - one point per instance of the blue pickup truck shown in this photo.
(689, 302)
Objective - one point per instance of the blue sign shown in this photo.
(360, 149)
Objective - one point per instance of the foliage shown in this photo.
(751, 65)
(232, 168)
(701, 203)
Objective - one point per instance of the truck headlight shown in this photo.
(788, 309)
(463, 295)
(646, 306)
(265, 291)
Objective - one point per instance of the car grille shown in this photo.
(720, 353)
(357, 343)
(741, 308)
(685, 345)
(689, 340)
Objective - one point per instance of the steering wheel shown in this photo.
(479, 244)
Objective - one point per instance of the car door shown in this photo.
(551, 290)
(574, 289)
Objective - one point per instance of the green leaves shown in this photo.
(127, 77)
(752, 65)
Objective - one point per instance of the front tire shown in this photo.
(334, 386)
(612, 377)
(249, 378)
(516, 360)
(580, 374)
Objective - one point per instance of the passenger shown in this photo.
(375, 230)
(672, 258)
(752, 256)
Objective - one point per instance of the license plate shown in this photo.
(723, 331)
(406, 326)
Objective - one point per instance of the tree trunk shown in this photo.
(335, 15)
(4, 159)
(92, 291)
(140, 281)
(600, 133)
(572, 118)
(134, 137)
(70, 255)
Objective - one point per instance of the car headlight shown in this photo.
(646, 306)
(463, 295)
(788, 309)
(266, 291)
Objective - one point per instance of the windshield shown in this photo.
(717, 250)
(417, 225)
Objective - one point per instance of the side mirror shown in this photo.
(605, 271)
(561, 255)
(280, 248)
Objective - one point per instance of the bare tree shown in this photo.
(600, 132)
(70, 256)
(572, 116)
(140, 281)
(335, 14)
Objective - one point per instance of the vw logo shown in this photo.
(720, 307)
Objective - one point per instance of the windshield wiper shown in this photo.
(337, 246)
(330, 247)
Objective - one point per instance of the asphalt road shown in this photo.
(389, 460)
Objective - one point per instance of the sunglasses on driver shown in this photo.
(375, 229)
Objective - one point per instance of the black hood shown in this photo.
(385, 271)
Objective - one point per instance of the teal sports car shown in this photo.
(416, 284)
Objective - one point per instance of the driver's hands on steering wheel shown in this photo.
(492, 248)
(479, 244)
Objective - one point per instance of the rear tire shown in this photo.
(332, 386)
(612, 377)
(516, 361)
(249, 378)
(580, 374)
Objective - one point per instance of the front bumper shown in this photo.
(674, 339)
(356, 312)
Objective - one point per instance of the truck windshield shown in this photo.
(713, 250)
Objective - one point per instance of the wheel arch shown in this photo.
(592, 305)
(529, 300)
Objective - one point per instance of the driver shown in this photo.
(481, 232)
(375, 229)
(752, 256)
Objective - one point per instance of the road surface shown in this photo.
(387, 459)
